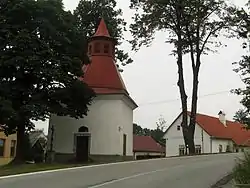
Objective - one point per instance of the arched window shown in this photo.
(83, 129)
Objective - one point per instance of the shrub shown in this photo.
(241, 171)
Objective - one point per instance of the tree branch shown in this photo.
(208, 36)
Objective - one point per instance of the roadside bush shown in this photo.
(241, 172)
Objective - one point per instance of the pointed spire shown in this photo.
(102, 29)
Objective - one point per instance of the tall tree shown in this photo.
(40, 66)
(243, 68)
(88, 14)
(193, 26)
(156, 15)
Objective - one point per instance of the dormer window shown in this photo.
(97, 47)
(106, 48)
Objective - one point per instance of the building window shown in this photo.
(97, 48)
(178, 127)
(12, 148)
(242, 149)
(181, 150)
(106, 48)
(228, 148)
(198, 149)
(2, 145)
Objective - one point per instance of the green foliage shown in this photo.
(88, 14)
(241, 172)
(243, 68)
(242, 116)
(41, 59)
(40, 62)
(196, 23)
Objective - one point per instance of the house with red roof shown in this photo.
(145, 147)
(212, 135)
(107, 130)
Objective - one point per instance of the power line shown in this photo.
(174, 100)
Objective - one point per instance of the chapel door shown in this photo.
(82, 148)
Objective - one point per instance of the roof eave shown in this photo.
(103, 38)
(126, 94)
(221, 138)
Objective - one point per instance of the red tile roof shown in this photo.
(102, 76)
(146, 144)
(232, 130)
(102, 30)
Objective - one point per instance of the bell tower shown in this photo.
(101, 43)
(102, 74)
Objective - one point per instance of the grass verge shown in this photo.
(241, 171)
(27, 168)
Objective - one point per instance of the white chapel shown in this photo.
(107, 130)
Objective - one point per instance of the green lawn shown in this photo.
(26, 168)
(11, 169)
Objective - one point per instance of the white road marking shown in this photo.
(100, 165)
(135, 176)
(130, 177)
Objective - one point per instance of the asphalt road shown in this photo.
(183, 172)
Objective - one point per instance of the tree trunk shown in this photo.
(20, 148)
(181, 85)
(194, 106)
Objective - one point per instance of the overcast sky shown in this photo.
(151, 79)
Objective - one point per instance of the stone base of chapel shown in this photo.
(70, 158)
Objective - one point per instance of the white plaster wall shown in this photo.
(105, 116)
(127, 128)
(103, 121)
(64, 129)
(224, 143)
(174, 138)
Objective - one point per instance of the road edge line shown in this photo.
(223, 181)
